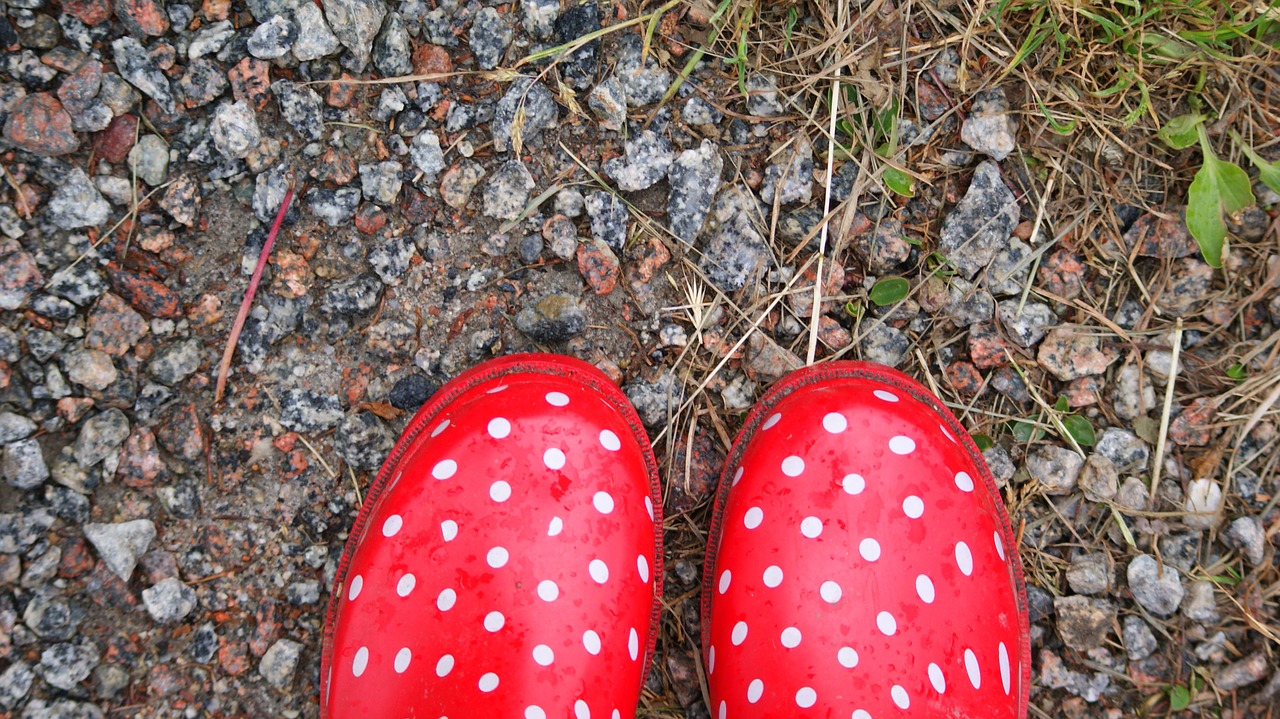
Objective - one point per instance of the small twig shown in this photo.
(225, 366)
(1168, 405)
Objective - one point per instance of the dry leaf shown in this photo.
(382, 409)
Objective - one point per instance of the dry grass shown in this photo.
(1091, 83)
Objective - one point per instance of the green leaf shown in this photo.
(899, 181)
(893, 178)
(983, 441)
(853, 308)
(793, 14)
(1237, 372)
(1268, 172)
(885, 123)
(1179, 698)
(888, 290)
(1061, 405)
(1219, 188)
(1079, 429)
(1024, 431)
(1180, 132)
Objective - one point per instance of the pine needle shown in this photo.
(224, 367)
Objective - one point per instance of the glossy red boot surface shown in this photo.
(861, 562)
(507, 559)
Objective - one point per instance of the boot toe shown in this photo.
(862, 563)
(506, 561)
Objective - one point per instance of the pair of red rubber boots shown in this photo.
(507, 562)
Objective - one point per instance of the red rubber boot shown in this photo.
(860, 561)
(507, 561)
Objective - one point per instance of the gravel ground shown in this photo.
(163, 556)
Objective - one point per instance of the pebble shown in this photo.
(39, 124)
(735, 254)
(599, 266)
(553, 318)
(655, 400)
(1056, 468)
(459, 181)
(308, 412)
(1029, 326)
(15, 682)
(89, 368)
(121, 545)
(335, 207)
(23, 465)
(1083, 622)
(1099, 479)
(884, 345)
(149, 159)
(1000, 464)
(356, 24)
(1070, 353)
(979, 226)
(988, 128)
(100, 437)
(175, 362)
(697, 111)
(1200, 604)
(1055, 675)
(967, 304)
(412, 391)
(609, 219)
(1009, 268)
(363, 441)
(14, 427)
(539, 17)
(1242, 673)
(609, 103)
(694, 179)
(381, 182)
(426, 155)
(507, 191)
(354, 296)
(789, 179)
(570, 202)
(273, 38)
(1132, 394)
(643, 80)
(1158, 589)
(885, 247)
(301, 107)
(1189, 283)
(1139, 640)
(234, 129)
(77, 203)
(1125, 449)
(134, 63)
(391, 259)
(648, 157)
(762, 95)
(1203, 504)
(1247, 535)
(578, 68)
(209, 39)
(67, 664)
(19, 278)
(169, 600)
(540, 113)
(391, 48)
(279, 662)
(489, 38)
(182, 200)
(202, 83)
(315, 40)
(1090, 574)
